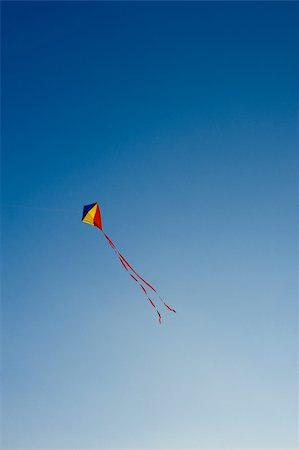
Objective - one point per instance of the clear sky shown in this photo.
(180, 120)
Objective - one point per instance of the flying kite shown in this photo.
(92, 216)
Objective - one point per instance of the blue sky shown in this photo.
(180, 119)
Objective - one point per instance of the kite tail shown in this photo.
(127, 263)
(134, 278)
(165, 304)
(128, 266)
(147, 296)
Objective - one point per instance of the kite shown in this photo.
(92, 216)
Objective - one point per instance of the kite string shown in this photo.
(126, 263)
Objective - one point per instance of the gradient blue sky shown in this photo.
(180, 120)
